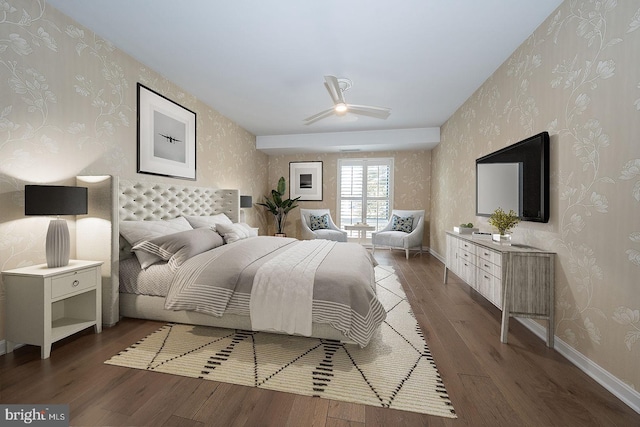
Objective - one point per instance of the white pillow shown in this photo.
(208, 221)
(234, 232)
(135, 232)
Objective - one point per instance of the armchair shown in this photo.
(400, 239)
(330, 233)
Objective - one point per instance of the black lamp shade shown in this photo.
(54, 200)
(246, 202)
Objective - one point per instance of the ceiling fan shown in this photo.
(336, 88)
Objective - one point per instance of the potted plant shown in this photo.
(504, 222)
(278, 206)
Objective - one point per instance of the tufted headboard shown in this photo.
(147, 201)
(112, 200)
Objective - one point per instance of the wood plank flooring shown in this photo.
(522, 383)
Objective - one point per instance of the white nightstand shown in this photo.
(45, 305)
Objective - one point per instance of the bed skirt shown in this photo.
(152, 308)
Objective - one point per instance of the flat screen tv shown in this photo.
(515, 177)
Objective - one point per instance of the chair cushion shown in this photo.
(328, 234)
(318, 222)
(404, 224)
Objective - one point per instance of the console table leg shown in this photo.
(504, 330)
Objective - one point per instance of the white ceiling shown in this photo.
(261, 63)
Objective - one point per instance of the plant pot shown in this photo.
(503, 239)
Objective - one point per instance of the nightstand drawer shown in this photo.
(73, 282)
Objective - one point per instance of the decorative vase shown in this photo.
(503, 239)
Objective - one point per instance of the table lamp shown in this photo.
(56, 200)
(245, 202)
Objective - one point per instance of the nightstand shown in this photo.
(45, 305)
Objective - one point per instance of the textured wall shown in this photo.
(68, 107)
(577, 76)
(412, 182)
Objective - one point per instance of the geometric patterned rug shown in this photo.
(395, 370)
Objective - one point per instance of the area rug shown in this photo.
(395, 370)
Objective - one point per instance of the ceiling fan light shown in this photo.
(341, 107)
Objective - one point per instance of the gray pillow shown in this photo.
(178, 247)
(135, 232)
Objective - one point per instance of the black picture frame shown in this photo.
(166, 136)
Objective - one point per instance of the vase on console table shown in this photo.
(503, 239)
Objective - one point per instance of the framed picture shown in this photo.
(166, 136)
(305, 180)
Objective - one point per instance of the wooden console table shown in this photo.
(519, 280)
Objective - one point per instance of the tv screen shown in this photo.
(515, 178)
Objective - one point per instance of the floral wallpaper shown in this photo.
(577, 76)
(411, 180)
(68, 107)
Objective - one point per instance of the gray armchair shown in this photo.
(331, 233)
(400, 239)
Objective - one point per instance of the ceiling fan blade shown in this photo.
(319, 116)
(333, 87)
(369, 110)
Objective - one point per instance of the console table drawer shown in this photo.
(489, 267)
(490, 286)
(489, 256)
(73, 282)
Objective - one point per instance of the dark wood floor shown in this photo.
(522, 383)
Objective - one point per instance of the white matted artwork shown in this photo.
(305, 180)
(166, 136)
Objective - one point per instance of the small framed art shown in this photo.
(305, 180)
(166, 136)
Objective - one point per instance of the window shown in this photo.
(365, 192)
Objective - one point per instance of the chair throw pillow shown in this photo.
(404, 224)
(320, 222)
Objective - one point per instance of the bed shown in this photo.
(343, 305)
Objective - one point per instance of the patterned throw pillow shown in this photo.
(319, 222)
(404, 224)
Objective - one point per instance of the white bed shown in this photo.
(144, 201)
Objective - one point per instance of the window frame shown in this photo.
(365, 162)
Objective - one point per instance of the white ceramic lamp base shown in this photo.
(57, 245)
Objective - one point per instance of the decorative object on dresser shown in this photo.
(465, 229)
(278, 206)
(56, 200)
(519, 280)
(45, 305)
(504, 222)
(166, 136)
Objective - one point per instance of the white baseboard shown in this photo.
(603, 377)
(437, 255)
